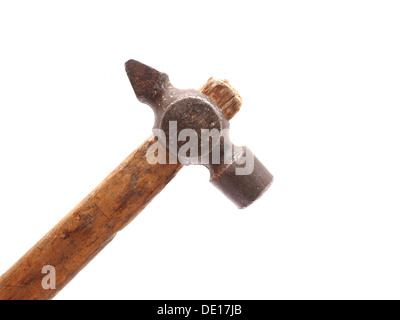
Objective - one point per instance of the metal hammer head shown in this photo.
(193, 130)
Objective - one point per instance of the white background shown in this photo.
(320, 85)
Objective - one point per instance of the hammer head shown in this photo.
(193, 130)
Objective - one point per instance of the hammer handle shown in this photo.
(95, 221)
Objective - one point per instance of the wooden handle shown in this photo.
(94, 222)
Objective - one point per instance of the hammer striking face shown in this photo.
(192, 129)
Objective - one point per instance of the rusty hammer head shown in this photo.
(193, 130)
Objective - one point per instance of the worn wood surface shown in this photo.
(94, 222)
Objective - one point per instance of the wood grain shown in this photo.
(94, 222)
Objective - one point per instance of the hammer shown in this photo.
(202, 116)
